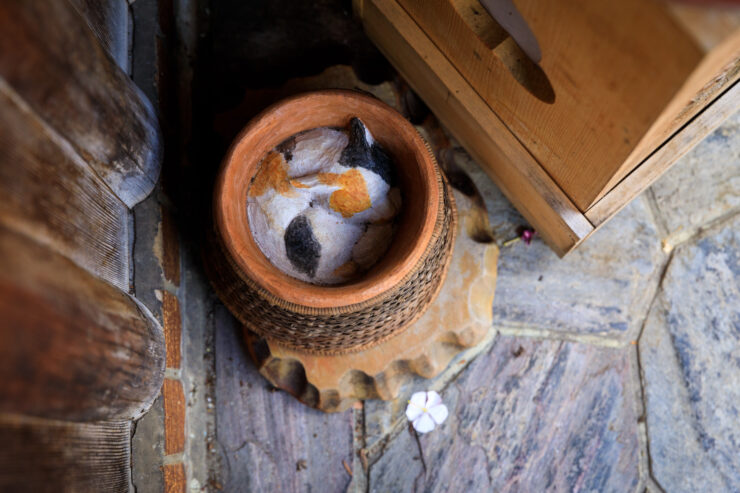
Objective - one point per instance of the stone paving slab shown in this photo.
(527, 416)
(703, 185)
(383, 419)
(601, 289)
(690, 356)
(147, 450)
(268, 440)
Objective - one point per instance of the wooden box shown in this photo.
(622, 91)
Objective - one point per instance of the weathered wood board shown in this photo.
(72, 346)
(79, 145)
(59, 69)
(111, 23)
(42, 456)
(50, 194)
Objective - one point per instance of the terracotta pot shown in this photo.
(419, 221)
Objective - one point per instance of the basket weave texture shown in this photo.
(343, 329)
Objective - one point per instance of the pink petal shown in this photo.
(424, 423)
(438, 413)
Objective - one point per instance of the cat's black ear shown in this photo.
(358, 133)
(287, 147)
(360, 153)
(301, 246)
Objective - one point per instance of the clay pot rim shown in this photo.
(230, 205)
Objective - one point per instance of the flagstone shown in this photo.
(527, 416)
(690, 356)
(703, 185)
(603, 288)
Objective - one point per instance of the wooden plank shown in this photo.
(58, 67)
(109, 20)
(708, 24)
(50, 456)
(611, 68)
(72, 347)
(50, 194)
(472, 123)
(681, 143)
(716, 72)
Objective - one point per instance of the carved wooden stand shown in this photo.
(459, 318)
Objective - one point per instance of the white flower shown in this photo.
(426, 411)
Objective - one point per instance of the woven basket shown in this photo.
(350, 317)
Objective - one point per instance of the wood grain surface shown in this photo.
(40, 456)
(110, 21)
(466, 115)
(72, 346)
(581, 156)
(613, 68)
(715, 73)
(702, 125)
(709, 24)
(50, 194)
(59, 69)
(79, 145)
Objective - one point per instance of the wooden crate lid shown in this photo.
(615, 81)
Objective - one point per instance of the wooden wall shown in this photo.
(80, 357)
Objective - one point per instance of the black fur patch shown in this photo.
(301, 246)
(286, 147)
(360, 154)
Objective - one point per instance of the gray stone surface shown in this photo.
(268, 440)
(527, 416)
(147, 275)
(603, 288)
(197, 325)
(147, 443)
(690, 355)
(704, 184)
(147, 450)
(385, 418)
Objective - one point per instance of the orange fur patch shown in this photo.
(347, 269)
(352, 197)
(272, 174)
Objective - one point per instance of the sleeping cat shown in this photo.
(322, 204)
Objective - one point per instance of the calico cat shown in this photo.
(322, 204)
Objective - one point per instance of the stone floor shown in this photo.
(614, 369)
